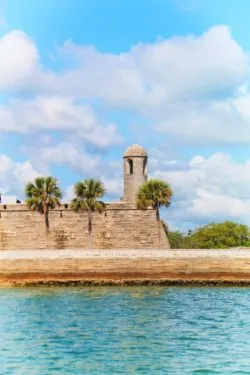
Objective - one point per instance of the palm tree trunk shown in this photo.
(158, 225)
(46, 214)
(90, 229)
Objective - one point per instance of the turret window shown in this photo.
(144, 167)
(130, 166)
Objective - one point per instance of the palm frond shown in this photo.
(154, 193)
(87, 193)
(43, 192)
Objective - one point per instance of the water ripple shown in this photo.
(144, 330)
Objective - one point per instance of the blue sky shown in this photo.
(80, 80)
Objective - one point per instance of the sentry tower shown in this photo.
(135, 162)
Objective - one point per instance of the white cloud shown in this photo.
(175, 83)
(114, 186)
(68, 194)
(71, 155)
(215, 205)
(187, 87)
(214, 188)
(19, 61)
(151, 74)
(57, 113)
(24, 172)
(15, 175)
(210, 122)
(89, 165)
(156, 74)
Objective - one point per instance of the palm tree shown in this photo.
(43, 195)
(155, 193)
(87, 193)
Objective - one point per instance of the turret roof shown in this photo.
(135, 150)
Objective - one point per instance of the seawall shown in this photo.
(126, 267)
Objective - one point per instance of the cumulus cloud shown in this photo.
(209, 188)
(184, 86)
(68, 194)
(114, 186)
(210, 122)
(219, 205)
(19, 61)
(57, 113)
(72, 155)
(14, 175)
(89, 165)
(154, 74)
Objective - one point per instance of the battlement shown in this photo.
(66, 207)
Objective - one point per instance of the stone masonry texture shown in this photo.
(132, 182)
(121, 226)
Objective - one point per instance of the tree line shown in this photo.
(211, 236)
(44, 195)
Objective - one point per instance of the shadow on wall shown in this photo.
(61, 239)
(106, 239)
(3, 240)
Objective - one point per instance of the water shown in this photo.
(144, 330)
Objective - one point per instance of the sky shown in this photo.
(81, 80)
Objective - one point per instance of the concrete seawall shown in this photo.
(124, 267)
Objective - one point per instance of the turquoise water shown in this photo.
(136, 330)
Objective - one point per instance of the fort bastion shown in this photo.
(121, 226)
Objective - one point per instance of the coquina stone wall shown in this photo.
(133, 181)
(121, 226)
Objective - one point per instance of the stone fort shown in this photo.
(121, 226)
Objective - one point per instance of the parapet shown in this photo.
(65, 207)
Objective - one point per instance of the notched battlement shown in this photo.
(67, 207)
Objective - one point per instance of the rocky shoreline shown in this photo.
(128, 283)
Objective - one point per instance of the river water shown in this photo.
(132, 330)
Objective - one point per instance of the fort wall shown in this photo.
(121, 226)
